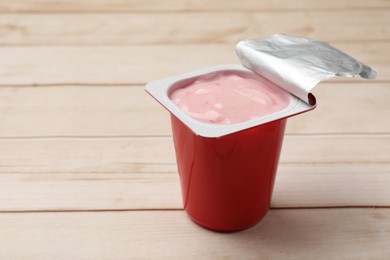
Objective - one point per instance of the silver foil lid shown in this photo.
(298, 64)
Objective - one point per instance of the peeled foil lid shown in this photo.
(298, 64)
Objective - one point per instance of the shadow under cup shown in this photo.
(227, 181)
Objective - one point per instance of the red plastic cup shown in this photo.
(227, 182)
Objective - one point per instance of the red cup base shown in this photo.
(227, 182)
(229, 230)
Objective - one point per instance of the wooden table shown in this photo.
(87, 166)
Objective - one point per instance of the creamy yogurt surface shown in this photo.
(229, 98)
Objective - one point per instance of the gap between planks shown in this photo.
(125, 137)
(334, 81)
(198, 11)
(182, 209)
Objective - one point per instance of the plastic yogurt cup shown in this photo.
(227, 171)
(228, 136)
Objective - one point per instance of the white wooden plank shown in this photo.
(292, 234)
(89, 191)
(189, 27)
(105, 65)
(138, 64)
(332, 185)
(181, 5)
(80, 111)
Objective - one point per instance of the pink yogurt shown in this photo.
(229, 98)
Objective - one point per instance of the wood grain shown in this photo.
(119, 173)
(183, 5)
(153, 186)
(138, 64)
(292, 234)
(87, 164)
(128, 111)
(190, 27)
(73, 155)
